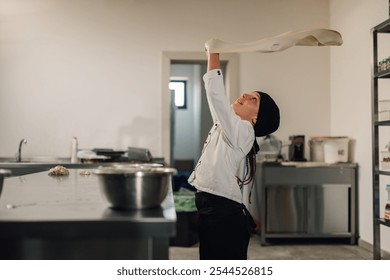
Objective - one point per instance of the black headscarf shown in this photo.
(268, 117)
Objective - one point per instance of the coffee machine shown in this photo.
(296, 149)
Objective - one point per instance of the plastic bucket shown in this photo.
(336, 150)
(316, 150)
(329, 149)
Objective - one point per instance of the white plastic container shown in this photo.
(316, 146)
(384, 116)
(387, 207)
(385, 160)
(385, 156)
(74, 149)
(385, 165)
(384, 105)
(336, 150)
(384, 110)
(329, 149)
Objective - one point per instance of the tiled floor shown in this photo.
(286, 252)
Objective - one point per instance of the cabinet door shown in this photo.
(328, 209)
(286, 209)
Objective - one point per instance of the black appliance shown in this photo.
(296, 149)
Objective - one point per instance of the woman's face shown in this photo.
(247, 106)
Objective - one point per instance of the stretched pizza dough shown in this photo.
(305, 37)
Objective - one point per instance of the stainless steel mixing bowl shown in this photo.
(3, 173)
(137, 165)
(134, 187)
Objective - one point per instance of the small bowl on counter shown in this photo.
(3, 173)
(134, 186)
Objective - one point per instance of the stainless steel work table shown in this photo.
(307, 200)
(45, 217)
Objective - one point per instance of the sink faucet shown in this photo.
(19, 153)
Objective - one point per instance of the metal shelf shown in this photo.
(382, 172)
(383, 222)
(382, 74)
(383, 27)
(382, 123)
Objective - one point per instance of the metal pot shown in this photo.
(3, 173)
(136, 165)
(134, 187)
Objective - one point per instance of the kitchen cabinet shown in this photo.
(302, 201)
(66, 217)
(378, 125)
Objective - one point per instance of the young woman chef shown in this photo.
(225, 224)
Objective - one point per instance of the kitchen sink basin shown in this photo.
(36, 164)
(37, 159)
(23, 168)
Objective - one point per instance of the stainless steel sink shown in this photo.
(35, 164)
(36, 159)
(22, 168)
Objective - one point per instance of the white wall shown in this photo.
(351, 94)
(93, 68)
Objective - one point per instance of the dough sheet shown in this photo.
(305, 37)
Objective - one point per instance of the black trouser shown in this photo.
(224, 228)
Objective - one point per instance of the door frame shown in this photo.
(231, 84)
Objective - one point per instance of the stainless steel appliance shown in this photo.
(297, 148)
(139, 154)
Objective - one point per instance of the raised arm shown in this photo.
(213, 61)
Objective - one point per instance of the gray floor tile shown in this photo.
(286, 252)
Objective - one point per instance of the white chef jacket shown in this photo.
(228, 142)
